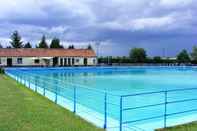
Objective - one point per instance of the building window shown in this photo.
(36, 61)
(94, 61)
(77, 60)
(73, 61)
(65, 61)
(19, 61)
(61, 61)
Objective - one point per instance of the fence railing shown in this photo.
(165, 101)
(32, 81)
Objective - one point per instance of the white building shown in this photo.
(47, 57)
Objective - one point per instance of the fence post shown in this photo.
(35, 85)
(74, 100)
(120, 113)
(165, 111)
(44, 89)
(29, 82)
(105, 109)
(21, 79)
(55, 93)
(25, 81)
(17, 78)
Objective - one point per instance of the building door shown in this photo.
(9, 62)
(73, 61)
(61, 62)
(69, 62)
(85, 61)
(65, 61)
(55, 61)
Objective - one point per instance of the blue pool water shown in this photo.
(92, 87)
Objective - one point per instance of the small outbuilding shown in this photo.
(47, 57)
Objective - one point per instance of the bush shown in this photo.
(157, 59)
(138, 55)
(2, 71)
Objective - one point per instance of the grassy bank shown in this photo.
(23, 110)
(186, 127)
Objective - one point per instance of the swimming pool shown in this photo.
(119, 98)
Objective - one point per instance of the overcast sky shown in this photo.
(118, 24)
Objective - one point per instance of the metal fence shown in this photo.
(34, 81)
(165, 103)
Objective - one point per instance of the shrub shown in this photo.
(157, 59)
(2, 71)
(138, 55)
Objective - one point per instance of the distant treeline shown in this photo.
(16, 42)
(138, 55)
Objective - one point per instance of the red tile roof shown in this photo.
(26, 52)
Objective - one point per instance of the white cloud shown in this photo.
(152, 23)
(175, 3)
(172, 21)
(84, 20)
(141, 23)
(21, 9)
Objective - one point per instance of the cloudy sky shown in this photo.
(156, 25)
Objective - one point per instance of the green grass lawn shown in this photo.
(186, 127)
(23, 110)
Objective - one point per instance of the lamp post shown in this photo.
(97, 48)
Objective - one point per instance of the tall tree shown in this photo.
(55, 43)
(89, 47)
(194, 54)
(8, 47)
(71, 47)
(27, 45)
(43, 43)
(157, 59)
(1, 46)
(16, 40)
(183, 57)
(138, 55)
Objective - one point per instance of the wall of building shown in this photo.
(78, 61)
(92, 61)
(3, 61)
(30, 61)
(26, 61)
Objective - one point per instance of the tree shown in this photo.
(183, 57)
(27, 45)
(55, 43)
(138, 55)
(16, 40)
(8, 47)
(157, 59)
(89, 47)
(71, 47)
(43, 43)
(1, 46)
(194, 54)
